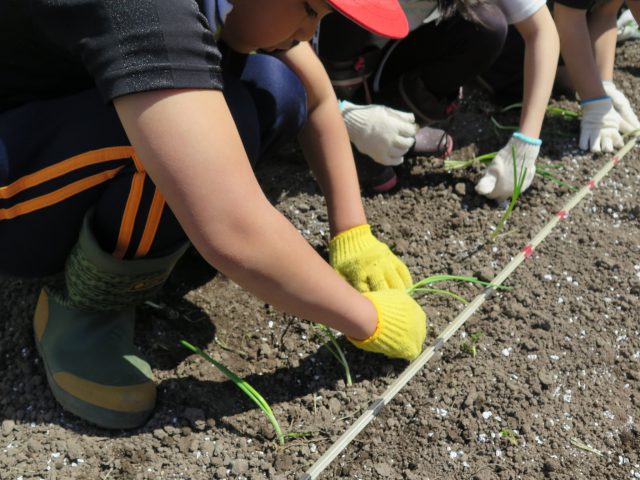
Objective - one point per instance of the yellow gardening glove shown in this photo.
(366, 263)
(402, 325)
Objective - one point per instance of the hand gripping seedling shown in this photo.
(415, 366)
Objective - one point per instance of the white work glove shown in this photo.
(599, 126)
(382, 133)
(498, 181)
(627, 27)
(621, 104)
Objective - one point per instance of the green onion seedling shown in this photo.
(510, 436)
(500, 126)
(553, 110)
(544, 170)
(471, 347)
(576, 442)
(422, 285)
(334, 347)
(460, 164)
(247, 389)
(518, 182)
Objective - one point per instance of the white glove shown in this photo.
(599, 126)
(629, 120)
(627, 27)
(380, 132)
(498, 181)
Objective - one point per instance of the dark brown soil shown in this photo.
(558, 359)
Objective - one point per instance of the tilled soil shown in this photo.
(553, 390)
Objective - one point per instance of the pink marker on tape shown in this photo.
(562, 214)
(528, 251)
(592, 184)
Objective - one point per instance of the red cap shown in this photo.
(382, 17)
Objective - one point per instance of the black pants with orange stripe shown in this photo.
(62, 157)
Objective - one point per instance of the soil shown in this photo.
(557, 360)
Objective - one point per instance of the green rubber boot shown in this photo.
(85, 334)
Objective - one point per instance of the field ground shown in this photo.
(558, 356)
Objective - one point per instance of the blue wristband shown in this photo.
(597, 99)
(529, 140)
(341, 104)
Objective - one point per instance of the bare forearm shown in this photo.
(325, 142)
(577, 52)
(202, 170)
(266, 255)
(541, 59)
(329, 154)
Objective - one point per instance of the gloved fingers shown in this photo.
(606, 143)
(408, 130)
(585, 143)
(402, 144)
(406, 280)
(406, 117)
(625, 126)
(486, 184)
(361, 284)
(595, 142)
(399, 126)
(490, 185)
(633, 121)
(393, 279)
(377, 280)
(618, 142)
(528, 178)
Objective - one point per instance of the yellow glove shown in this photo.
(402, 325)
(365, 262)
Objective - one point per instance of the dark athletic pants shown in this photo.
(59, 158)
(447, 54)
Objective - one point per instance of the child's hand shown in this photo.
(599, 126)
(380, 132)
(366, 263)
(402, 325)
(498, 181)
(629, 120)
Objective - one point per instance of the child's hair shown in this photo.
(466, 8)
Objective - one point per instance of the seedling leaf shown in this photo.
(242, 385)
(334, 347)
(518, 182)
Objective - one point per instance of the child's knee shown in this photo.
(288, 97)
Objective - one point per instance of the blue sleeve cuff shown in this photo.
(597, 99)
(529, 140)
(341, 104)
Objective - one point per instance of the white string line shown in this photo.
(414, 367)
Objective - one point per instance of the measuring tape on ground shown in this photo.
(414, 367)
